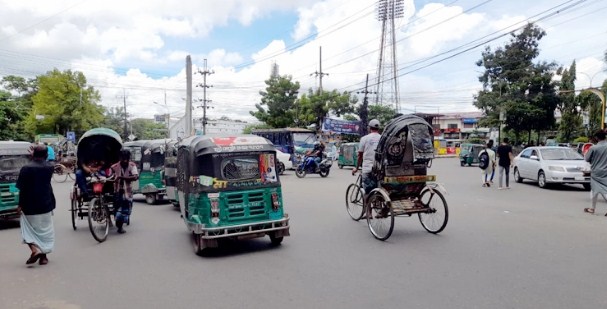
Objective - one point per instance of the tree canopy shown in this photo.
(277, 102)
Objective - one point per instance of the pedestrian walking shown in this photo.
(597, 157)
(126, 172)
(36, 204)
(504, 154)
(486, 160)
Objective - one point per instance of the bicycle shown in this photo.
(355, 199)
(61, 172)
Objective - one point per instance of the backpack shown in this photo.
(483, 160)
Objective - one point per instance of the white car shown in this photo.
(552, 164)
(284, 162)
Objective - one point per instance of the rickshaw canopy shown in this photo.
(416, 130)
(99, 144)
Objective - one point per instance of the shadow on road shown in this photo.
(556, 187)
(236, 247)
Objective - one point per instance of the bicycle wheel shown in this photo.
(99, 219)
(380, 217)
(72, 174)
(435, 218)
(60, 173)
(74, 209)
(354, 202)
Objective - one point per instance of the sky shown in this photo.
(135, 51)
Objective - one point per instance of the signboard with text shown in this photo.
(340, 126)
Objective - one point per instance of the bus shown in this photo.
(289, 140)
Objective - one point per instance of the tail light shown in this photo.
(97, 188)
(275, 201)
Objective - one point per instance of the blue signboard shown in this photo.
(340, 126)
(469, 120)
(71, 136)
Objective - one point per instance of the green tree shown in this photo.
(65, 102)
(114, 119)
(313, 107)
(277, 102)
(147, 129)
(383, 113)
(11, 118)
(571, 121)
(514, 84)
(248, 129)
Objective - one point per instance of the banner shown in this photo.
(340, 126)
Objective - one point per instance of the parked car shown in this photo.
(284, 161)
(551, 165)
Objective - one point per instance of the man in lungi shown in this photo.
(597, 157)
(36, 204)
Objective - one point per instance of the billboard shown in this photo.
(340, 126)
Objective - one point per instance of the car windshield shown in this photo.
(560, 154)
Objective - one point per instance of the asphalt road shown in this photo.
(519, 248)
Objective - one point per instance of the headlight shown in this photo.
(557, 168)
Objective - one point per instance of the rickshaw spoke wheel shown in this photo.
(74, 209)
(354, 202)
(380, 217)
(435, 217)
(60, 173)
(99, 219)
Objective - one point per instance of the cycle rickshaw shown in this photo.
(98, 149)
(402, 157)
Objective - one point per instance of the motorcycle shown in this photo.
(308, 166)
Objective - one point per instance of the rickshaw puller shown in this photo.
(126, 172)
(366, 156)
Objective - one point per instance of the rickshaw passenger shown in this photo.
(86, 171)
(126, 172)
(366, 156)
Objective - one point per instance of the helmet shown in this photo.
(374, 123)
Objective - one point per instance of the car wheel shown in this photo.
(517, 176)
(541, 180)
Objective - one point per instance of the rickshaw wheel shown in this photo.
(380, 217)
(354, 202)
(275, 240)
(435, 218)
(74, 209)
(99, 219)
(300, 172)
(150, 198)
(60, 173)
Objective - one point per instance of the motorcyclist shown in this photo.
(316, 153)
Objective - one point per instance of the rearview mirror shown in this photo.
(534, 158)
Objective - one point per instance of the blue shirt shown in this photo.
(51, 154)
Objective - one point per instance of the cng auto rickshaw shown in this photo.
(170, 172)
(469, 153)
(13, 156)
(348, 155)
(228, 187)
(151, 171)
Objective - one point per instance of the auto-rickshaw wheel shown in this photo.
(281, 168)
(340, 166)
(462, 163)
(197, 242)
(151, 198)
(275, 240)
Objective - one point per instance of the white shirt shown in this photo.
(367, 146)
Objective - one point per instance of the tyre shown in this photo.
(275, 240)
(74, 210)
(281, 168)
(380, 217)
(300, 172)
(151, 198)
(72, 175)
(541, 180)
(197, 243)
(435, 218)
(324, 171)
(462, 163)
(340, 166)
(99, 219)
(586, 186)
(517, 176)
(354, 202)
(60, 173)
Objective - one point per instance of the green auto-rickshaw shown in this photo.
(151, 167)
(348, 155)
(228, 187)
(468, 153)
(170, 172)
(13, 156)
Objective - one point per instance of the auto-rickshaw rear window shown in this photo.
(8, 163)
(240, 168)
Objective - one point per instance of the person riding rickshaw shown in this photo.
(13, 156)
(228, 187)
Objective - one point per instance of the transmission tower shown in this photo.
(387, 80)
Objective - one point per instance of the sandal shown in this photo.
(589, 210)
(33, 258)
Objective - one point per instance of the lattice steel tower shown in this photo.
(387, 67)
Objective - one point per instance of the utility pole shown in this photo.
(123, 97)
(204, 86)
(387, 66)
(188, 100)
(319, 73)
(364, 111)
